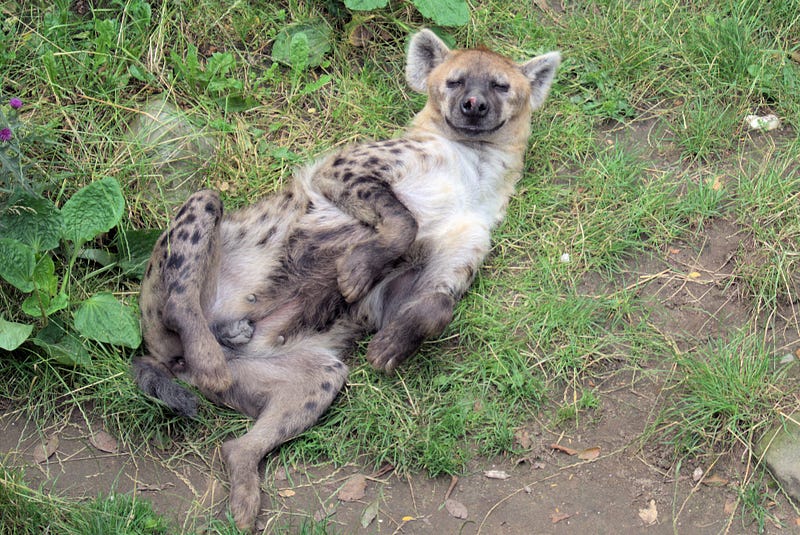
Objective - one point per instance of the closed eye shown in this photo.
(454, 84)
(500, 87)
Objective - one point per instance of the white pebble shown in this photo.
(763, 122)
(565, 258)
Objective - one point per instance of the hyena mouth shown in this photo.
(474, 130)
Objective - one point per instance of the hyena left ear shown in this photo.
(425, 52)
(540, 71)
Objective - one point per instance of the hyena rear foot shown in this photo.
(235, 333)
(402, 335)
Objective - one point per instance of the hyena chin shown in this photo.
(256, 308)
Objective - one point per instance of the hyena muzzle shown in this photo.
(256, 308)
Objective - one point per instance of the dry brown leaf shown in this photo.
(715, 481)
(42, 452)
(496, 474)
(797, 521)
(286, 493)
(354, 488)
(730, 506)
(564, 449)
(104, 442)
(557, 517)
(649, 515)
(589, 454)
(717, 185)
(456, 509)
(795, 56)
(523, 438)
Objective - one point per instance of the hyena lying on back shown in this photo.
(256, 308)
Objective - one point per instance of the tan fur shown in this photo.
(257, 308)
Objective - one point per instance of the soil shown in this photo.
(623, 485)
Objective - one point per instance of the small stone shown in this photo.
(780, 450)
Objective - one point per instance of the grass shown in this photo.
(642, 143)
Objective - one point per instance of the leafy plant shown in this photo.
(33, 227)
(441, 12)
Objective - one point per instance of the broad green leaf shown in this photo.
(444, 12)
(135, 248)
(62, 345)
(44, 277)
(103, 318)
(17, 262)
(365, 5)
(32, 220)
(44, 300)
(318, 37)
(12, 334)
(41, 303)
(94, 209)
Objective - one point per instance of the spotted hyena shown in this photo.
(256, 308)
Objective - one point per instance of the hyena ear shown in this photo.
(540, 71)
(425, 52)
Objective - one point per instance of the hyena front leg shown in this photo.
(362, 193)
(178, 288)
(417, 304)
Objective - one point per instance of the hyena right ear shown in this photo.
(425, 52)
(540, 72)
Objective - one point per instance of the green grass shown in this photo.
(529, 338)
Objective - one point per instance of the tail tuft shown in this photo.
(156, 381)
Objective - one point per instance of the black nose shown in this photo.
(474, 107)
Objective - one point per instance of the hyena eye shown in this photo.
(454, 84)
(500, 87)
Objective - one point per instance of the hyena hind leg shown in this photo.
(288, 394)
(180, 284)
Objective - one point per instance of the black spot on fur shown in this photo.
(190, 218)
(310, 406)
(326, 386)
(196, 237)
(211, 208)
(338, 162)
(175, 261)
(264, 239)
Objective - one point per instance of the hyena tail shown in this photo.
(154, 380)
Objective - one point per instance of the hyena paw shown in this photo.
(211, 373)
(356, 274)
(388, 349)
(245, 497)
(235, 333)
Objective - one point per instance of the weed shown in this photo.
(727, 393)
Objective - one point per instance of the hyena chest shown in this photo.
(463, 193)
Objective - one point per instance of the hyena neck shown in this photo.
(498, 165)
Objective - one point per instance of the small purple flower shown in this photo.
(15, 103)
(5, 134)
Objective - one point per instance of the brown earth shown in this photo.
(625, 485)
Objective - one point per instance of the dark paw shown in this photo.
(234, 334)
(357, 272)
(390, 347)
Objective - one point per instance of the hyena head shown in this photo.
(476, 94)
